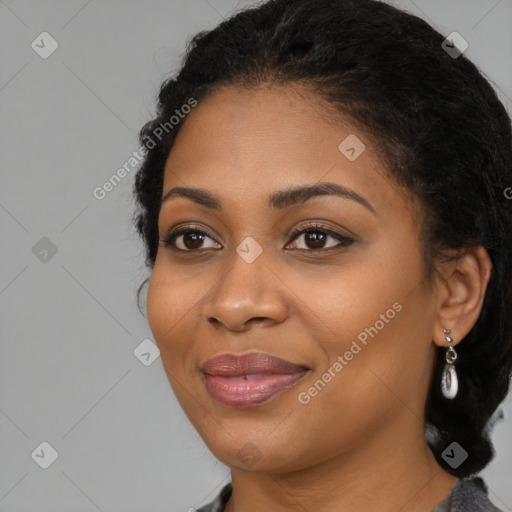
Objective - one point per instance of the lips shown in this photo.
(251, 379)
(229, 365)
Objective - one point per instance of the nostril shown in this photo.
(257, 320)
(215, 322)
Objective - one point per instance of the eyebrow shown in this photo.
(277, 200)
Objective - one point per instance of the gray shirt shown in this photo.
(467, 495)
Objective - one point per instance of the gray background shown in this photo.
(69, 320)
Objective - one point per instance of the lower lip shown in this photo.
(238, 392)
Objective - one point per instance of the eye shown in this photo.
(315, 238)
(188, 239)
(191, 239)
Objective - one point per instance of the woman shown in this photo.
(323, 203)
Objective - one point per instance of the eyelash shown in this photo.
(345, 241)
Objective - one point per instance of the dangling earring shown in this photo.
(449, 381)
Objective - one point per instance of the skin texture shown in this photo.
(359, 444)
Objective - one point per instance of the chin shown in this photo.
(254, 449)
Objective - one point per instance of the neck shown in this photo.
(390, 473)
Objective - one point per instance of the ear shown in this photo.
(461, 288)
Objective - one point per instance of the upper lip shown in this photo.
(231, 365)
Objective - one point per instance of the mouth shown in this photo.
(251, 379)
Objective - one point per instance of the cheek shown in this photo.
(353, 300)
(378, 319)
(169, 304)
(169, 311)
(160, 308)
(364, 385)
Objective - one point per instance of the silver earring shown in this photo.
(449, 381)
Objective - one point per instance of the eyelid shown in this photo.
(317, 226)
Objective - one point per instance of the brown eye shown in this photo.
(316, 238)
(191, 239)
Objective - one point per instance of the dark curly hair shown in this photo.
(442, 133)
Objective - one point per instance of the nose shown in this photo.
(247, 294)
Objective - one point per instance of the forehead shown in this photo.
(245, 143)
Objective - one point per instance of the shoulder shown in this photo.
(468, 495)
(218, 504)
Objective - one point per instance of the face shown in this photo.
(332, 283)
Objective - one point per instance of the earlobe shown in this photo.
(460, 294)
